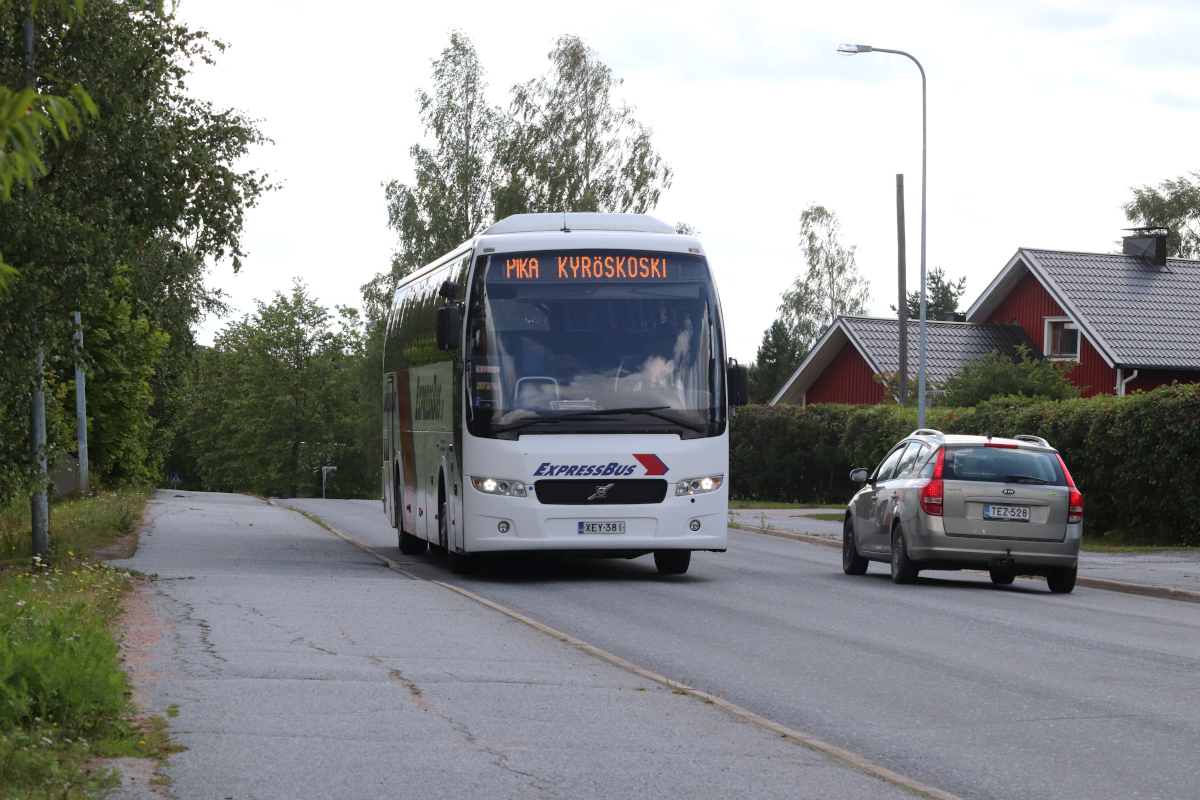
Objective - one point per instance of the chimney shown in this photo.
(1148, 243)
(955, 316)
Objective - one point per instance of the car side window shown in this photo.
(912, 457)
(884, 471)
(928, 468)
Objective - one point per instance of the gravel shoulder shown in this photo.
(303, 668)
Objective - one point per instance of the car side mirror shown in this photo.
(449, 327)
(737, 378)
(860, 475)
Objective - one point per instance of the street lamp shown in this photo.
(853, 50)
(324, 476)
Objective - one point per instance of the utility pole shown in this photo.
(39, 505)
(81, 406)
(903, 303)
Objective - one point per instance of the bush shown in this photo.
(998, 376)
(1132, 457)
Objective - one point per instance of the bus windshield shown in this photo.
(593, 342)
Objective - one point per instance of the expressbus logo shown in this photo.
(653, 464)
(429, 400)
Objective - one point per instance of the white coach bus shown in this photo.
(559, 383)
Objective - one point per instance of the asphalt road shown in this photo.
(300, 668)
(986, 692)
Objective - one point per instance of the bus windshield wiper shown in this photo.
(1023, 479)
(650, 411)
(600, 415)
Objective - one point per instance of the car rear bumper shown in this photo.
(932, 544)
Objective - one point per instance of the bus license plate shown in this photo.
(602, 526)
(1014, 513)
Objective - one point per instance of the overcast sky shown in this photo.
(1041, 116)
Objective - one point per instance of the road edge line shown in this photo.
(1107, 584)
(366, 548)
(845, 757)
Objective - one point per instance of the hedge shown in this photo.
(1133, 457)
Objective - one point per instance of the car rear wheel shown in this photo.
(672, 562)
(904, 569)
(852, 562)
(1062, 581)
(1002, 577)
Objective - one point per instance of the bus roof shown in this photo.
(579, 221)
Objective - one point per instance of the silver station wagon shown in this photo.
(967, 502)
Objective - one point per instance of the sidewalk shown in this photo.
(1179, 569)
(303, 668)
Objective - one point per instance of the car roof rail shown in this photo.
(1025, 437)
(929, 432)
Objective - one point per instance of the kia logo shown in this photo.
(1010, 491)
(602, 492)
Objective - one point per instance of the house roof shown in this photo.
(1136, 313)
(948, 346)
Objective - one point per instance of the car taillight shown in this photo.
(1075, 513)
(931, 492)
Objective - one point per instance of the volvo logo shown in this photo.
(1010, 491)
(601, 491)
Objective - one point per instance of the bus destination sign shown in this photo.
(584, 267)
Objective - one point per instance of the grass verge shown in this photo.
(1103, 544)
(78, 525)
(64, 699)
(742, 505)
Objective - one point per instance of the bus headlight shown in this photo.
(501, 486)
(699, 485)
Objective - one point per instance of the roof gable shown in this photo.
(1135, 313)
(948, 346)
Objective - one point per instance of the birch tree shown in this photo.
(572, 145)
(830, 286)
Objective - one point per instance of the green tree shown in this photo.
(451, 199)
(571, 145)
(127, 215)
(275, 399)
(996, 375)
(777, 358)
(1174, 205)
(941, 296)
(830, 286)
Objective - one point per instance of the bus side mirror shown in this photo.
(449, 327)
(738, 381)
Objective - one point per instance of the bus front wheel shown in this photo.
(672, 562)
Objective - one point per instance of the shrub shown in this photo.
(995, 376)
(1132, 457)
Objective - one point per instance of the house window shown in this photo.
(1062, 339)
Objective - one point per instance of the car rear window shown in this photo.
(1002, 465)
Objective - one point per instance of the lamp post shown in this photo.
(324, 476)
(855, 49)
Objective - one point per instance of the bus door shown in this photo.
(389, 447)
(405, 457)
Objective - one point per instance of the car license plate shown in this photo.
(1014, 513)
(602, 526)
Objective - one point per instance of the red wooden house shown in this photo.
(1130, 320)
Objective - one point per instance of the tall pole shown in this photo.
(921, 346)
(862, 48)
(81, 406)
(902, 305)
(39, 504)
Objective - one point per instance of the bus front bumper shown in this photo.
(494, 524)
